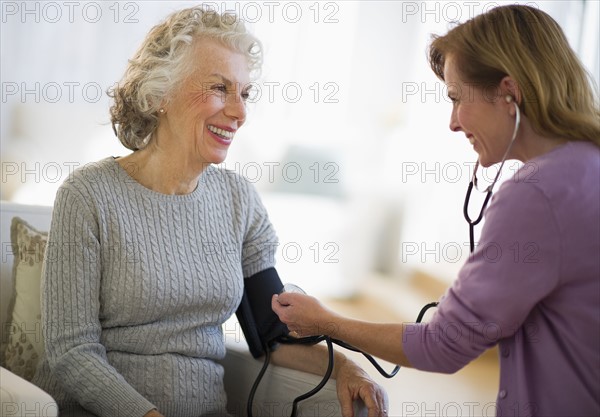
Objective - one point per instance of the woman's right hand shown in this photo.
(304, 314)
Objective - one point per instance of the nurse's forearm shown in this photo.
(382, 340)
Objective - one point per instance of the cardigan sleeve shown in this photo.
(515, 265)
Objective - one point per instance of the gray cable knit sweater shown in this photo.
(137, 285)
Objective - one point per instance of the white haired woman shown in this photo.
(133, 303)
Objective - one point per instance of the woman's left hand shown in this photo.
(353, 383)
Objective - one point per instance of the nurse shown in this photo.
(541, 297)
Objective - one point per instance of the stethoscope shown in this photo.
(489, 189)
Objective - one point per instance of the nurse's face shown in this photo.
(481, 113)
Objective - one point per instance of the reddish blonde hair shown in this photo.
(528, 45)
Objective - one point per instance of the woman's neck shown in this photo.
(160, 171)
(530, 144)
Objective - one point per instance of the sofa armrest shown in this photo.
(277, 389)
(19, 397)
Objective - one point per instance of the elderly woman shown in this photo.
(134, 292)
(540, 299)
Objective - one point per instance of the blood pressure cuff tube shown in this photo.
(259, 322)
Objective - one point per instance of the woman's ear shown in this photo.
(510, 88)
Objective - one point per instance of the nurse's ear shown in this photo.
(509, 88)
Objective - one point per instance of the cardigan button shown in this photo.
(502, 394)
(505, 352)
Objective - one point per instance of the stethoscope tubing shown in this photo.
(489, 190)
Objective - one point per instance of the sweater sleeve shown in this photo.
(70, 310)
(515, 266)
(260, 241)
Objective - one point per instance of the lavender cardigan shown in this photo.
(532, 286)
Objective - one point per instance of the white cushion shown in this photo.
(19, 398)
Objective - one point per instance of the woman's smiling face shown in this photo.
(209, 106)
(479, 112)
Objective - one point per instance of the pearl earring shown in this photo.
(161, 111)
(508, 99)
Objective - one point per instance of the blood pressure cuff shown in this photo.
(260, 324)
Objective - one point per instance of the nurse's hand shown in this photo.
(304, 314)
